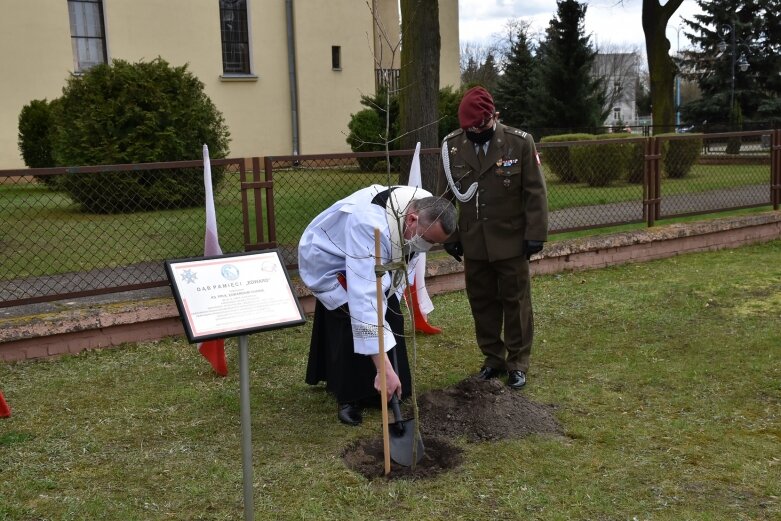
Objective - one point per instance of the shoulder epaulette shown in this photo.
(454, 133)
(520, 133)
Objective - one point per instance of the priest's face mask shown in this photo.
(419, 238)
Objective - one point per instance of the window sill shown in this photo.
(238, 77)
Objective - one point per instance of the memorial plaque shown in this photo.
(233, 294)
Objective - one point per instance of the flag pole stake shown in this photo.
(246, 434)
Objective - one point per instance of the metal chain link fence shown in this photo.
(62, 236)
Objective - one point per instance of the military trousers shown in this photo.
(499, 295)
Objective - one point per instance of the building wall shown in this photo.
(327, 96)
(619, 70)
(257, 108)
(32, 67)
(450, 52)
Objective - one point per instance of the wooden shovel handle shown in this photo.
(381, 343)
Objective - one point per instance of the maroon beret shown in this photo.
(476, 108)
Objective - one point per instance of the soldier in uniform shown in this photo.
(494, 173)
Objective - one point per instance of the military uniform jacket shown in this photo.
(510, 203)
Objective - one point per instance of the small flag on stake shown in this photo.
(5, 411)
(421, 302)
(212, 350)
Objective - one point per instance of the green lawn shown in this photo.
(666, 377)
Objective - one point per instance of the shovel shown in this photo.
(405, 447)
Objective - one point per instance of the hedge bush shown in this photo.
(557, 159)
(601, 164)
(679, 155)
(34, 139)
(366, 131)
(367, 126)
(636, 166)
(136, 113)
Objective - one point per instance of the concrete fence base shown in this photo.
(74, 326)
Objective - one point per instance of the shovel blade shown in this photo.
(405, 447)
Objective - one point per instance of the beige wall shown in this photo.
(327, 97)
(387, 33)
(257, 109)
(450, 51)
(31, 67)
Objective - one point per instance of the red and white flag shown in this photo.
(5, 411)
(212, 350)
(421, 302)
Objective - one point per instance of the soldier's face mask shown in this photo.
(482, 135)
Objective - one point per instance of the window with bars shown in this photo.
(235, 37)
(88, 38)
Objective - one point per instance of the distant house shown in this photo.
(620, 72)
(286, 74)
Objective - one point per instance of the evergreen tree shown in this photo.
(489, 73)
(642, 97)
(480, 72)
(746, 30)
(567, 95)
(513, 93)
(470, 73)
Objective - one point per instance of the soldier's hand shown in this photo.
(530, 247)
(455, 249)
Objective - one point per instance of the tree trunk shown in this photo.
(660, 65)
(419, 84)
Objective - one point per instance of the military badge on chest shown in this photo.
(503, 167)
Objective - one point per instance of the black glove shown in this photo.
(531, 247)
(455, 249)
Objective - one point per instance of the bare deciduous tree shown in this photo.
(419, 83)
(660, 64)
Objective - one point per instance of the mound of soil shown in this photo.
(475, 409)
(483, 410)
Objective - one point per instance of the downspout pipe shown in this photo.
(291, 66)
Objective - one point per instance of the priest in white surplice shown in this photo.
(336, 261)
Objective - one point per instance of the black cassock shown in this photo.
(332, 359)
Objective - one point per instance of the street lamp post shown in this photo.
(741, 61)
(678, 82)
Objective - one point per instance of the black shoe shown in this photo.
(487, 373)
(350, 414)
(516, 379)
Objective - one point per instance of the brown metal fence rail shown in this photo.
(52, 248)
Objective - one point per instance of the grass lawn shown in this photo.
(666, 377)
